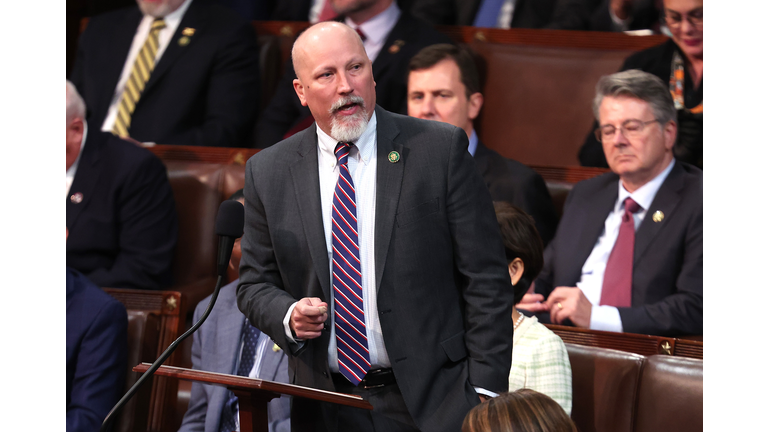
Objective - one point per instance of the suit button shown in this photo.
(325, 374)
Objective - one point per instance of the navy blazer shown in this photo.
(121, 216)
(390, 71)
(205, 93)
(509, 180)
(215, 348)
(97, 353)
(667, 275)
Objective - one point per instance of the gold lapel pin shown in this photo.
(275, 348)
(184, 41)
(188, 31)
(393, 156)
(395, 48)
(658, 216)
(76, 198)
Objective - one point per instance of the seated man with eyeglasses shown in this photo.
(628, 252)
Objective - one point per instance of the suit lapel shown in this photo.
(194, 18)
(306, 185)
(481, 159)
(269, 362)
(229, 329)
(86, 177)
(590, 226)
(389, 178)
(114, 62)
(396, 40)
(666, 201)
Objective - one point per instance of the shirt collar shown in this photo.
(365, 145)
(473, 143)
(173, 19)
(377, 28)
(645, 194)
(73, 168)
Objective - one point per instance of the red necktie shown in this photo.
(362, 35)
(617, 279)
(328, 13)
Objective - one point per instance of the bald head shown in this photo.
(335, 79)
(320, 34)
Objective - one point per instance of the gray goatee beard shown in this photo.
(348, 128)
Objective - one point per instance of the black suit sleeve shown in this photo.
(283, 112)
(148, 230)
(232, 94)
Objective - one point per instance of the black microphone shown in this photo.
(229, 227)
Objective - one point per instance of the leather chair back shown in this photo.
(605, 383)
(671, 395)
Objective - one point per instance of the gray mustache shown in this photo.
(346, 101)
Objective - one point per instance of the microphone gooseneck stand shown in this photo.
(171, 348)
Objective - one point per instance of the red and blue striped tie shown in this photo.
(351, 339)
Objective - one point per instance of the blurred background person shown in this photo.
(679, 62)
(121, 214)
(524, 410)
(539, 358)
(486, 13)
(170, 72)
(444, 85)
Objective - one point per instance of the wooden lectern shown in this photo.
(254, 394)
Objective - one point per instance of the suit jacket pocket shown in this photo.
(413, 214)
(454, 347)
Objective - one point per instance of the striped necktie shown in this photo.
(142, 68)
(351, 339)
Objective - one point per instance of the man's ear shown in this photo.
(475, 103)
(670, 134)
(299, 91)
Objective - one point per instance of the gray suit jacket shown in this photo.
(667, 274)
(215, 348)
(444, 294)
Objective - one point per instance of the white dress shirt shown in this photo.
(362, 166)
(172, 21)
(591, 284)
(73, 168)
(377, 29)
(505, 16)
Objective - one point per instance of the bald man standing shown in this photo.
(372, 256)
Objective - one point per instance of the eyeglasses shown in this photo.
(695, 18)
(630, 129)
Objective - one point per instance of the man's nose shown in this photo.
(344, 85)
(428, 107)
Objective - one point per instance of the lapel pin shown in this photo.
(184, 41)
(393, 156)
(395, 48)
(76, 198)
(658, 216)
(275, 348)
(188, 31)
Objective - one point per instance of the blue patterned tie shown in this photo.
(488, 13)
(247, 359)
(351, 339)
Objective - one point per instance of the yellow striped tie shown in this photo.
(140, 72)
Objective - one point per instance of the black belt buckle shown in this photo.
(376, 378)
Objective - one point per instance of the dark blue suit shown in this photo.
(122, 234)
(97, 351)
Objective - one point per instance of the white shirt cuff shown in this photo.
(605, 318)
(287, 327)
(485, 392)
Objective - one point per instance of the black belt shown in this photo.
(374, 378)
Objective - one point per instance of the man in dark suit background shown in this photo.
(628, 253)
(97, 352)
(392, 38)
(121, 214)
(408, 241)
(201, 88)
(485, 13)
(443, 85)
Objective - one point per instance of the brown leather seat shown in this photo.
(670, 395)
(604, 387)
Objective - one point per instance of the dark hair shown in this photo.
(524, 410)
(238, 195)
(521, 240)
(462, 56)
